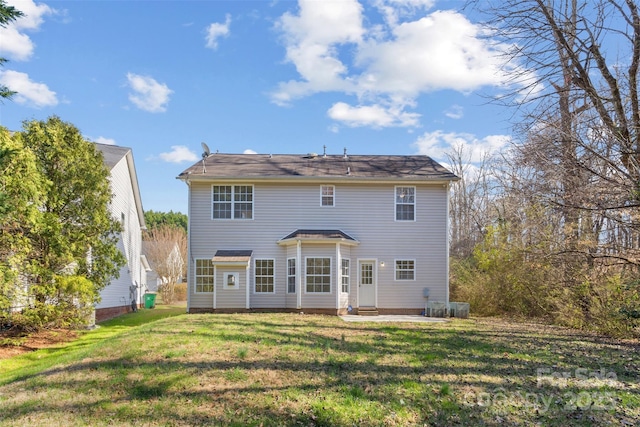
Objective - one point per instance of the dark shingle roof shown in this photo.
(232, 256)
(319, 234)
(307, 234)
(380, 167)
(112, 153)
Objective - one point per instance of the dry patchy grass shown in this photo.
(289, 369)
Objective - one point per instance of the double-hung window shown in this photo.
(405, 203)
(232, 201)
(405, 269)
(318, 275)
(265, 276)
(204, 275)
(291, 275)
(344, 275)
(327, 195)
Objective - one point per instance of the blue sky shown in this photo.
(377, 77)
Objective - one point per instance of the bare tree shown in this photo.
(469, 200)
(581, 123)
(166, 249)
(571, 186)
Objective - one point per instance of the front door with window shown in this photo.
(367, 284)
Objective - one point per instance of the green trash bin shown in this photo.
(150, 300)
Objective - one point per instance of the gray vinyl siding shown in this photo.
(231, 298)
(364, 211)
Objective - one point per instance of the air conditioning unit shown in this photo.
(459, 309)
(435, 309)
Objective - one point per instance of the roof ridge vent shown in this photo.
(311, 156)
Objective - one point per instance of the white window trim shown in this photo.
(233, 193)
(330, 276)
(255, 261)
(333, 196)
(395, 203)
(225, 281)
(195, 277)
(395, 270)
(347, 276)
(295, 263)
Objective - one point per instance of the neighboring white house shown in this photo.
(125, 292)
(317, 233)
(174, 262)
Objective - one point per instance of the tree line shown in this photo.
(550, 227)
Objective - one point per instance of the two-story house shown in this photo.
(317, 233)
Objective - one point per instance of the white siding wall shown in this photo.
(364, 211)
(117, 293)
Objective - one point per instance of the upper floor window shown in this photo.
(204, 275)
(405, 269)
(232, 201)
(405, 203)
(327, 195)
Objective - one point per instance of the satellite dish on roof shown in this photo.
(205, 153)
(205, 150)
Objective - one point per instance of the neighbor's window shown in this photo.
(265, 276)
(405, 269)
(405, 203)
(291, 275)
(344, 274)
(232, 201)
(204, 275)
(318, 275)
(327, 195)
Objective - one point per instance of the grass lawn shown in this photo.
(290, 369)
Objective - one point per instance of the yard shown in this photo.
(291, 369)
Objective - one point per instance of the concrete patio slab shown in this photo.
(393, 318)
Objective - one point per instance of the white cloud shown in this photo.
(436, 144)
(334, 49)
(311, 38)
(376, 116)
(179, 154)
(28, 92)
(106, 141)
(249, 151)
(217, 30)
(454, 112)
(16, 45)
(148, 94)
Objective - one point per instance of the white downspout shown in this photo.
(299, 267)
(447, 252)
(248, 294)
(215, 299)
(337, 275)
(190, 265)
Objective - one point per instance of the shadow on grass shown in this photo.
(22, 366)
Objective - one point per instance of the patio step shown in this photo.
(367, 311)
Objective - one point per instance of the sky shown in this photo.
(271, 77)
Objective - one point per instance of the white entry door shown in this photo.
(367, 284)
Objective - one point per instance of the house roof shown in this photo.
(321, 236)
(230, 256)
(112, 155)
(287, 166)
